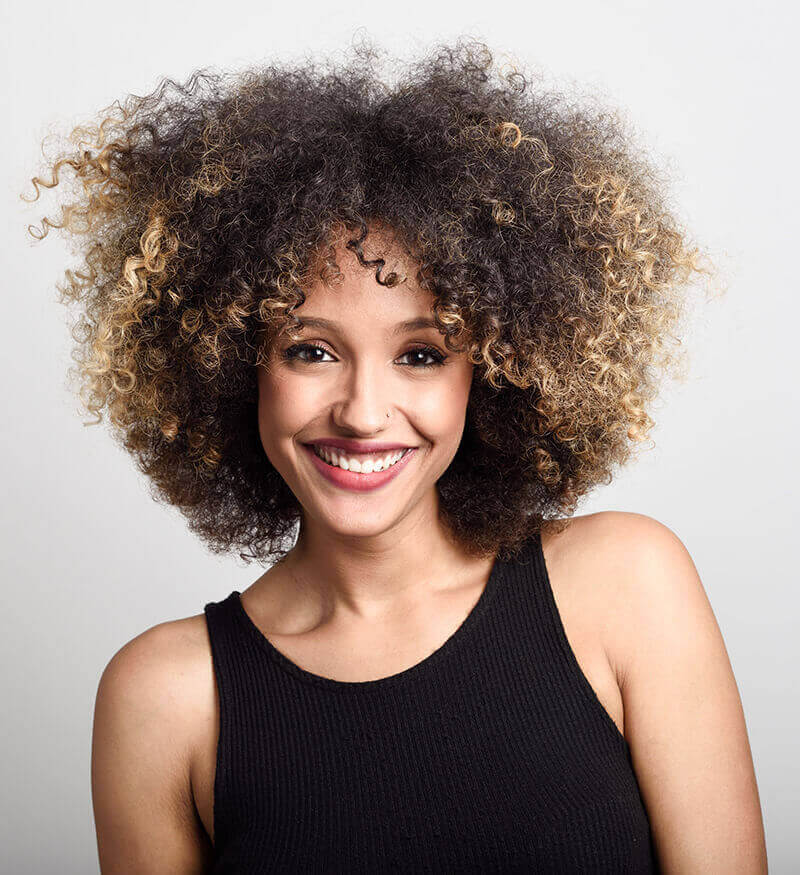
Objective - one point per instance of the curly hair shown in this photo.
(543, 234)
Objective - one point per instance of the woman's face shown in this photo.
(338, 381)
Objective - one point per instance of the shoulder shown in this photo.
(684, 720)
(639, 574)
(647, 578)
(612, 535)
(605, 568)
(158, 659)
(159, 682)
(149, 705)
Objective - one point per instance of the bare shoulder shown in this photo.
(608, 536)
(166, 664)
(587, 561)
(171, 670)
(150, 699)
(602, 559)
(645, 577)
(684, 720)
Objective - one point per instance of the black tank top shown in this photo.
(493, 754)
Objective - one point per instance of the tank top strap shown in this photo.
(226, 640)
(533, 616)
(239, 693)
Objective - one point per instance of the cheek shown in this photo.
(284, 402)
(441, 412)
(282, 411)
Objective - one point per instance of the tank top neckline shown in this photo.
(415, 672)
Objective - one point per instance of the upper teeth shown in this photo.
(364, 465)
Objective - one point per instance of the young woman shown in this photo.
(382, 339)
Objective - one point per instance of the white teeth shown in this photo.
(366, 466)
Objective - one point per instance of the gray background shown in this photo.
(89, 560)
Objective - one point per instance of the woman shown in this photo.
(420, 322)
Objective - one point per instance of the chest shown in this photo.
(580, 624)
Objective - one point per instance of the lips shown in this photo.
(355, 481)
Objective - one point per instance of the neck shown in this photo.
(373, 576)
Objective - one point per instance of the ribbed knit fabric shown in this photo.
(493, 754)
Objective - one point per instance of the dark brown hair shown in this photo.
(202, 209)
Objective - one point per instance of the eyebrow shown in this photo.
(401, 327)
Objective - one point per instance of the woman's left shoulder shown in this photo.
(625, 548)
(612, 535)
(611, 551)
(640, 575)
(684, 720)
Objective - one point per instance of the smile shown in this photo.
(359, 474)
(361, 463)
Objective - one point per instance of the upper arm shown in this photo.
(141, 792)
(684, 720)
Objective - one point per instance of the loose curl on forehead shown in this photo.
(202, 210)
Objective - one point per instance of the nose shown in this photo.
(364, 404)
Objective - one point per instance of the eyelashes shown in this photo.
(295, 352)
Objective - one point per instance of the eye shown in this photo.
(438, 358)
(296, 351)
(299, 350)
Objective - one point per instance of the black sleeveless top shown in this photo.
(493, 754)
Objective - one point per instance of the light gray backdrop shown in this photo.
(89, 560)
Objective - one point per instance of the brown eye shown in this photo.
(438, 358)
(294, 352)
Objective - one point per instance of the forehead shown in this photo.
(341, 287)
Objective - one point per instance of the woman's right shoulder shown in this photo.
(154, 702)
(170, 660)
(167, 671)
(162, 649)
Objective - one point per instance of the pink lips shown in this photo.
(354, 480)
